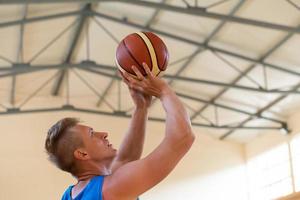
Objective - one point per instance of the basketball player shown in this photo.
(101, 171)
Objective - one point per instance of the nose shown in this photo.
(102, 135)
(105, 134)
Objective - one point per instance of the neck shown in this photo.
(88, 171)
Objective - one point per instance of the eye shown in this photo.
(92, 133)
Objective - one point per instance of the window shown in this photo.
(295, 151)
(269, 174)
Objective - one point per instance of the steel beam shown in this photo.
(228, 85)
(13, 91)
(112, 81)
(110, 71)
(273, 49)
(192, 56)
(192, 80)
(207, 40)
(82, 21)
(44, 84)
(221, 25)
(105, 92)
(120, 114)
(24, 68)
(196, 43)
(153, 17)
(20, 58)
(201, 12)
(249, 69)
(93, 89)
(259, 112)
(175, 37)
(197, 99)
(213, 33)
(39, 19)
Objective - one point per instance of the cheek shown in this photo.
(97, 146)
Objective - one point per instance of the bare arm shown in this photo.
(136, 177)
(132, 146)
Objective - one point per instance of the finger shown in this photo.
(137, 72)
(137, 88)
(146, 68)
(128, 76)
(120, 72)
(122, 76)
(125, 80)
(132, 81)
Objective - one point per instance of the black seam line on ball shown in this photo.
(132, 55)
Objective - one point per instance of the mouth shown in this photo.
(109, 145)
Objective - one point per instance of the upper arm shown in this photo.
(134, 178)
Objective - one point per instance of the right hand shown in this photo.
(150, 85)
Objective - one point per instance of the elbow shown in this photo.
(183, 138)
(189, 135)
(191, 138)
(187, 142)
(188, 139)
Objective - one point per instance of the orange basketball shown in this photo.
(140, 47)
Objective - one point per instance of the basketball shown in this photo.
(140, 47)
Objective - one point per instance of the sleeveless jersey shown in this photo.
(92, 191)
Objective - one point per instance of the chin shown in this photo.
(114, 153)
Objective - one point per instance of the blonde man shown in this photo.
(103, 173)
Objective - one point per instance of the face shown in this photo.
(96, 144)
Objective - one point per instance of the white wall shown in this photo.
(212, 170)
(266, 142)
(270, 139)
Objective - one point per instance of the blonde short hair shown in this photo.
(61, 143)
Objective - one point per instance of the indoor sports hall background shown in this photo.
(234, 63)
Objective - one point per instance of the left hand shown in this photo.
(141, 100)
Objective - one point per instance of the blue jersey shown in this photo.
(92, 191)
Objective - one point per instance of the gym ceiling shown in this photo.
(234, 63)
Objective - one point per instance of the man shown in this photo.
(104, 174)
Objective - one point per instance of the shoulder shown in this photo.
(107, 193)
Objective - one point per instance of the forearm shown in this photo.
(178, 125)
(132, 145)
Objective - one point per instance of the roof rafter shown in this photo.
(195, 11)
(179, 38)
(266, 55)
(200, 44)
(112, 81)
(24, 68)
(123, 115)
(74, 43)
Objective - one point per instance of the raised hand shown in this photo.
(141, 100)
(148, 85)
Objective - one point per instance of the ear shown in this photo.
(81, 154)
